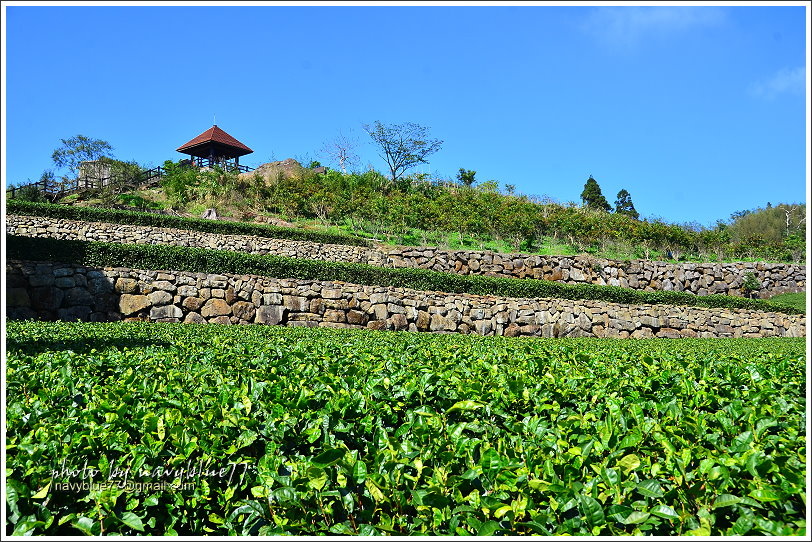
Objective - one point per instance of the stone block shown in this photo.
(101, 285)
(272, 315)
(317, 305)
(331, 293)
(399, 322)
(295, 303)
(513, 330)
(272, 299)
(164, 285)
(221, 320)
(334, 316)
(46, 298)
(165, 311)
(379, 311)
(303, 323)
(357, 317)
(192, 303)
(41, 280)
(78, 296)
(131, 304)
(74, 314)
(194, 318)
(423, 320)
(17, 297)
(159, 297)
(20, 313)
(187, 291)
(126, 286)
(215, 307)
(243, 310)
(441, 323)
(64, 282)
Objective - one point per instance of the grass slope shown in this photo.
(336, 432)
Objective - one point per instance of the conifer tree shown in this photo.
(624, 205)
(593, 197)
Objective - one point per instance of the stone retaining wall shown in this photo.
(53, 291)
(697, 278)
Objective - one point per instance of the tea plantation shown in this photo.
(264, 430)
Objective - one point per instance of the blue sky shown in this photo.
(697, 111)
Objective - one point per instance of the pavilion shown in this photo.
(215, 147)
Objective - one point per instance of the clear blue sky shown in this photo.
(696, 111)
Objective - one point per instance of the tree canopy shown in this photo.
(593, 197)
(402, 146)
(78, 149)
(624, 205)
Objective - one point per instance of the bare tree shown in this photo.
(341, 150)
(403, 146)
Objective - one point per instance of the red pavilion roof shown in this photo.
(216, 135)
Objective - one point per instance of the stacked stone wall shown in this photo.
(697, 278)
(54, 291)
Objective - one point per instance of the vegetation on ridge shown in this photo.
(424, 209)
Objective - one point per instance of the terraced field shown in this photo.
(235, 430)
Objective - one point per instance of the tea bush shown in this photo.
(309, 431)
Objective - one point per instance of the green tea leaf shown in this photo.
(664, 511)
(488, 528)
(316, 478)
(131, 520)
(465, 405)
(328, 457)
(629, 463)
(726, 499)
(650, 488)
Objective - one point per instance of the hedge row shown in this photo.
(135, 218)
(92, 253)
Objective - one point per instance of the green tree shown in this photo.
(592, 197)
(78, 149)
(624, 205)
(751, 284)
(402, 146)
(466, 176)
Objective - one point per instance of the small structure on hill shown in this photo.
(93, 174)
(215, 147)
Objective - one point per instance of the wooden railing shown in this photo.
(228, 166)
(49, 188)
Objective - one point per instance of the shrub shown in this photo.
(399, 433)
(751, 284)
(29, 193)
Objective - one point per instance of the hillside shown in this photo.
(419, 211)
